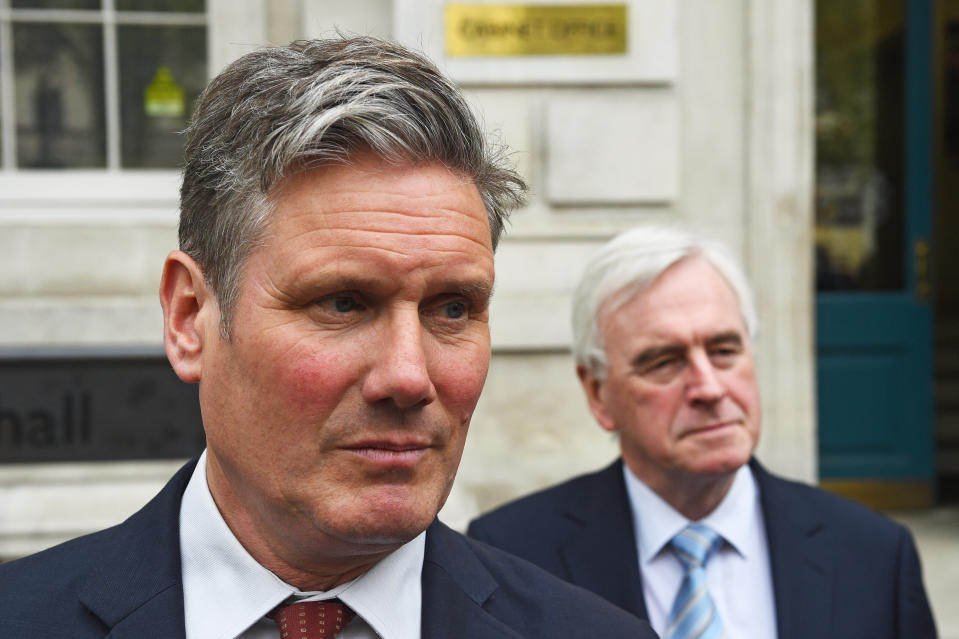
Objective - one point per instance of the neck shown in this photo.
(291, 546)
(693, 496)
(315, 580)
(312, 561)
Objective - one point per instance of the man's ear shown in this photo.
(190, 314)
(593, 387)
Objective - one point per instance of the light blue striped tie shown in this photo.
(694, 614)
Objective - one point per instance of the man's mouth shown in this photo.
(713, 426)
(397, 454)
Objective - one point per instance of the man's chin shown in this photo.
(382, 536)
(383, 527)
(378, 514)
(723, 465)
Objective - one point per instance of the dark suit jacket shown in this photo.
(124, 582)
(839, 570)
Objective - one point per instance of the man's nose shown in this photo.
(399, 370)
(704, 382)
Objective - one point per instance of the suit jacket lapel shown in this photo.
(801, 574)
(137, 591)
(603, 557)
(455, 588)
(161, 616)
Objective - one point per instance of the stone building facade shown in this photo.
(706, 120)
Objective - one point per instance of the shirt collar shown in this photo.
(737, 517)
(225, 590)
(656, 522)
(389, 596)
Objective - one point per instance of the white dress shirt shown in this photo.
(738, 576)
(226, 593)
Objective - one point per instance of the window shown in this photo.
(860, 142)
(88, 84)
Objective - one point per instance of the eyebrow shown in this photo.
(470, 288)
(653, 353)
(480, 288)
(726, 337)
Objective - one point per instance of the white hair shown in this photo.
(627, 265)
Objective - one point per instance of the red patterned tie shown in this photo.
(311, 619)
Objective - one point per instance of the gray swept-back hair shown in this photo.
(280, 110)
(627, 265)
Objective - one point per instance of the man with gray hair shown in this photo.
(339, 211)
(687, 529)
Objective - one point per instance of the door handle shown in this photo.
(921, 253)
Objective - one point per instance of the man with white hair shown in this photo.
(687, 529)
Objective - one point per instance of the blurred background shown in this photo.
(820, 140)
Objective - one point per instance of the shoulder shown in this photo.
(844, 521)
(45, 591)
(530, 600)
(551, 602)
(59, 562)
(44, 586)
(869, 558)
(536, 514)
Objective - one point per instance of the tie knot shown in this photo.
(695, 544)
(311, 619)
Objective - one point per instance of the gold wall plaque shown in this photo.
(496, 30)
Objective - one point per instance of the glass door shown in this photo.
(873, 214)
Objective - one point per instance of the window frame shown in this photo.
(109, 18)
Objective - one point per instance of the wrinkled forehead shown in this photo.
(402, 216)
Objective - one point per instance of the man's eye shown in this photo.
(663, 364)
(455, 310)
(343, 304)
(663, 369)
(724, 356)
